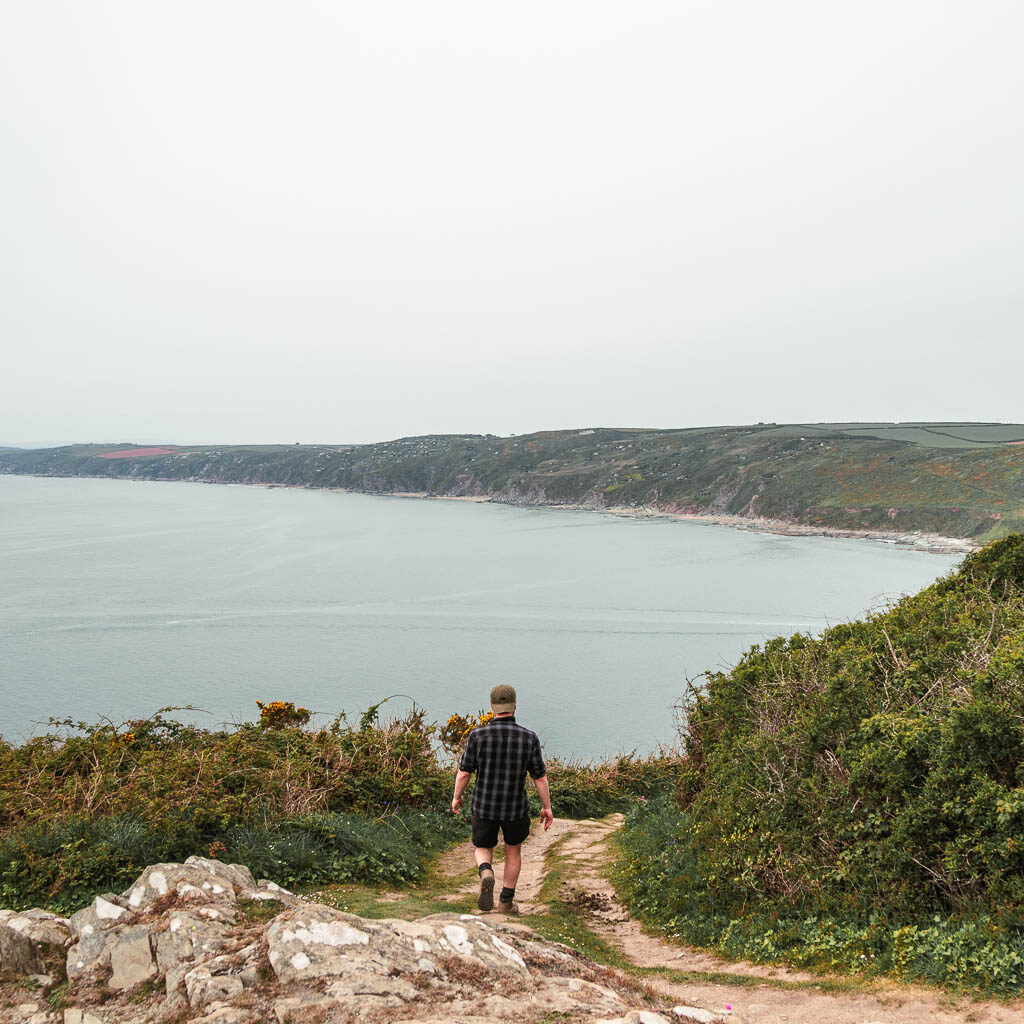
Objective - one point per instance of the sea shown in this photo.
(118, 598)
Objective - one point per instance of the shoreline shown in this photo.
(915, 540)
(929, 543)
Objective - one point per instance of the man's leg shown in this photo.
(513, 864)
(485, 838)
(484, 861)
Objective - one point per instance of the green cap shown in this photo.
(503, 699)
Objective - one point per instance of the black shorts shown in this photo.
(485, 831)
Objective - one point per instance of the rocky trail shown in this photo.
(756, 994)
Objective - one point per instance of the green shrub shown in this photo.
(64, 866)
(592, 790)
(660, 879)
(859, 798)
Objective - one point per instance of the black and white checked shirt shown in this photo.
(501, 753)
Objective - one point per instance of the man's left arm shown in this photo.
(544, 792)
(539, 773)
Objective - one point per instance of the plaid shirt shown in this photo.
(501, 753)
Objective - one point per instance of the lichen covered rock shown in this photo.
(32, 942)
(199, 941)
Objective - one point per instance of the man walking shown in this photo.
(501, 753)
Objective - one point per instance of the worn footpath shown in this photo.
(581, 853)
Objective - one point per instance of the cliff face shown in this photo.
(819, 477)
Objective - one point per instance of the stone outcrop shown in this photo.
(205, 942)
(32, 942)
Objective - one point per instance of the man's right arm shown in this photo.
(467, 765)
(544, 792)
(461, 781)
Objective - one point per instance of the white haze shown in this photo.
(339, 221)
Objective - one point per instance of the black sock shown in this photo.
(481, 867)
(507, 894)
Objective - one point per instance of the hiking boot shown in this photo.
(485, 901)
(507, 906)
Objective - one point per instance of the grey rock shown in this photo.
(199, 879)
(218, 978)
(177, 923)
(169, 948)
(94, 929)
(250, 976)
(91, 950)
(176, 936)
(698, 1015)
(101, 914)
(202, 986)
(174, 983)
(267, 890)
(393, 990)
(300, 1008)
(186, 935)
(578, 994)
(131, 958)
(315, 941)
(76, 1016)
(226, 1015)
(32, 942)
(638, 1017)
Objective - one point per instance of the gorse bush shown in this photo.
(282, 714)
(86, 807)
(159, 768)
(865, 788)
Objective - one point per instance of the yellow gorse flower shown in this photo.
(279, 714)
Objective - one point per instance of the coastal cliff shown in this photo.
(821, 478)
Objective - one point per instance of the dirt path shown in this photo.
(759, 995)
(460, 861)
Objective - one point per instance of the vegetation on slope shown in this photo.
(955, 480)
(85, 808)
(857, 800)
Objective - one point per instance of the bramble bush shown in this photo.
(857, 800)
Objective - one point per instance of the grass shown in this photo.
(825, 983)
(419, 899)
(563, 922)
(258, 910)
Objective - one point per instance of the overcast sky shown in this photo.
(349, 221)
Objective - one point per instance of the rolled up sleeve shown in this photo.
(469, 755)
(536, 766)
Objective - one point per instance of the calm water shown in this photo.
(120, 597)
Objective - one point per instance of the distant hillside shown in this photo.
(953, 479)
